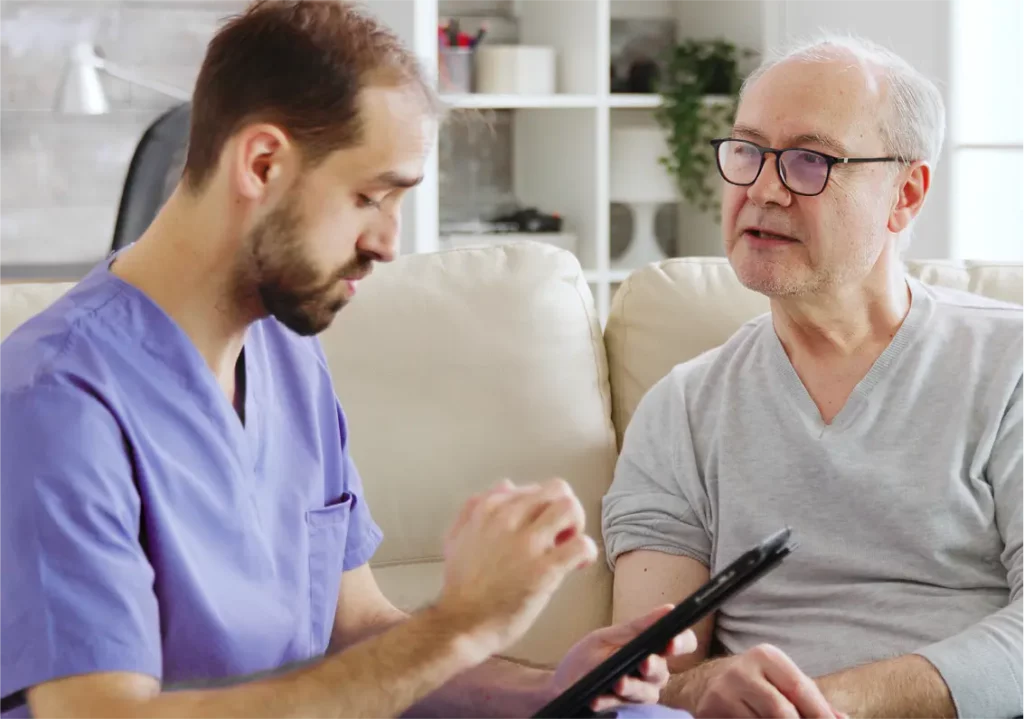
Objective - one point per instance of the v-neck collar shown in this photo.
(795, 389)
(166, 342)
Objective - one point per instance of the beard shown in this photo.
(287, 283)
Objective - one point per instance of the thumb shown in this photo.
(641, 623)
(622, 633)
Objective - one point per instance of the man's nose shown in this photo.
(381, 239)
(768, 187)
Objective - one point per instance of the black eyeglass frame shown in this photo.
(830, 161)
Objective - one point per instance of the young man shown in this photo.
(183, 530)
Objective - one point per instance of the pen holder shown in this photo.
(515, 69)
(455, 68)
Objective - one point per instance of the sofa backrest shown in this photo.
(673, 311)
(457, 369)
(21, 300)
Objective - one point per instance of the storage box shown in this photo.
(515, 70)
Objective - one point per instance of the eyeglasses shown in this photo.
(803, 172)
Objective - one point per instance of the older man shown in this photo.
(184, 531)
(879, 417)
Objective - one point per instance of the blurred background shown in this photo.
(573, 121)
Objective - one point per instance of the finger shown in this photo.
(554, 489)
(463, 517)
(642, 622)
(493, 500)
(505, 485)
(683, 643)
(531, 503)
(724, 705)
(637, 691)
(654, 670)
(575, 553)
(798, 688)
(604, 703)
(619, 634)
(561, 519)
(767, 701)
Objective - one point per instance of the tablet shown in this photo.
(749, 567)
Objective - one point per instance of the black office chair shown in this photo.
(154, 171)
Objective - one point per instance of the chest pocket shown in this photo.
(328, 531)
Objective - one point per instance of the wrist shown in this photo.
(684, 690)
(466, 633)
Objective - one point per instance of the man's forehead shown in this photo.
(796, 138)
(831, 103)
(394, 116)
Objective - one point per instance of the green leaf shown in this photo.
(694, 68)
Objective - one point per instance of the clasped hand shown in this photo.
(506, 554)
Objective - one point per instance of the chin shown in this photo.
(308, 324)
(305, 318)
(772, 277)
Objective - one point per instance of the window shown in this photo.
(986, 133)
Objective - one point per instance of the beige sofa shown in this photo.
(459, 368)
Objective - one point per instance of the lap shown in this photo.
(645, 712)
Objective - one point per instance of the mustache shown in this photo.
(774, 224)
(353, 269)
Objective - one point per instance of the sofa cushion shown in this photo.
(457, 369)
(670, 312)
(21, 300)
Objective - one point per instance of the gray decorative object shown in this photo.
(638, 49)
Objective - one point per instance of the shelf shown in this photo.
(634, 100)
(651, 101)
(512, 102)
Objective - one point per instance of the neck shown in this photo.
(186, 263)
(843, 321)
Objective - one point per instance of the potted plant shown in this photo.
(700, 91)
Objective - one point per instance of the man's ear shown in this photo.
(263, 159)
(914, 183)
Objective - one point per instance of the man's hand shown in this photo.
(506, 554)
(761, 682)
(601, 644)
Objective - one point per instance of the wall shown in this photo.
(920, 32)
(62, 175)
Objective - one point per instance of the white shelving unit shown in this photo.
(560, 153)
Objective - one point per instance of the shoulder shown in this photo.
(980, 328)
(705, 372)
(61, 340)
(698, 382)
(953, 304)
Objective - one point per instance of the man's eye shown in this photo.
(364, 201)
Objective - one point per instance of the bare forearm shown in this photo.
(379, 677)
(685, 688)
(906, 686)
(498, 687)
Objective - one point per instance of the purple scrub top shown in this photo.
(650, 711)
(145, 528)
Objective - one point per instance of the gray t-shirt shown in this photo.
(907, 507)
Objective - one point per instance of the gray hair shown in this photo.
(914, 124)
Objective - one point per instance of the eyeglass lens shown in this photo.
(803, 171)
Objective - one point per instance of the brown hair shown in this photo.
(298, 64)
